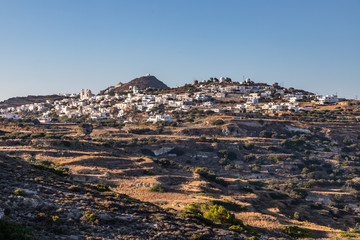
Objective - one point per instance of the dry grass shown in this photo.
(259, 220)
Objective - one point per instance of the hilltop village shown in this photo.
(214, 95)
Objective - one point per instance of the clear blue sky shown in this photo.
(61, 46)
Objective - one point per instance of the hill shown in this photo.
(147, 81)
(18, 101)
(40, 202)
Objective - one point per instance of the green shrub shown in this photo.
(55, 218)
(90, 216)
(297, 232)
(249, 146)
(58, 170)
(18, 192)
(85, 128)
(11, 231)
(140, 130)
(147, 152)
(52, 136)
(101, 187)
(245, 229)
(219, 214)
(206, 173)
(209, 175)
(297, 144)
(74, 188)
(165, 162)
(276, 158)
(156, 188)
(249, 158)
(197, 237)
(218, 122)
(202, 139)
(193, 208)
(213, 213)
(231, 206)
(265, 134)
(226, 154)
(148, 172)
(37, 135)
(278, 196)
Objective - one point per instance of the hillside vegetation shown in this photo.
(237, 179)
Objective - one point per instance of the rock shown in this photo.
(126, 218)
(2, 213)
(73, 237)
(32, 203)
(105, 217)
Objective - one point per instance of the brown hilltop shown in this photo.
(18, 101)
(147, 81)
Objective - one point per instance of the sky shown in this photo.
(61, 46)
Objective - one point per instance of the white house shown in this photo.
(44, 120)
(160, 118)
(10, 116)
(252, 100)
(208, 104)
(295, 98)
(328, 99)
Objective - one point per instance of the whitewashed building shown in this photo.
(160, 118)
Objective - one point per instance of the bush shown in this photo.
(193, 208)
(11, 231)
(148, 172)
(213, 213)
(297, 144)
(245, 229)
(278, 196)
(218, 122)
(231, 206)
(249, 158)
(265, 134)
(197, 237)
(156, 188)
(85, 128)
(219, 214)
(102, 187)
(211, 176)
(55, 218)
(165, 162)
(147, 152)
(206, 173)
(276, 158)
(249, 146)
(297, 232)
(18, 192)
(52, 136)
(58, 170)
(37, 135)
(140, 130)
(74, 188)
(177, 151)
(226, 154)
(90, 216)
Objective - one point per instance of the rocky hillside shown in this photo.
(147, 81)
(42, 202)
